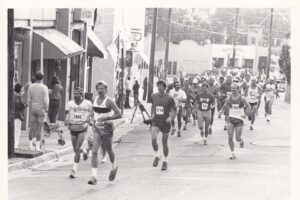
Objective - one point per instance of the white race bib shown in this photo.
(235, 106)
(204, 106)
(159, 110)
(77, 116)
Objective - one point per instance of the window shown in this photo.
(253, 40)
(218, 62)
(248, 63)
(169, 68)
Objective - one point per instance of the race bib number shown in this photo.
(204, 106)
(159, 110)
(253, 98)
(76, 116)
(235, 106)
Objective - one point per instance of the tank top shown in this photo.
(236, 108)
(101, 110)
(252, 95)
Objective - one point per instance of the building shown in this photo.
(57, 42)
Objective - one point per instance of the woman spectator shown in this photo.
(55, 99)
(135, 89)
(19, 112)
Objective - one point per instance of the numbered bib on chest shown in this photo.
(204, 106)
(159, 110)
(235, 107)
(253, 98)
(76, 117)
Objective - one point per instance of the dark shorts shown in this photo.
(235, 122)
(105, 132)
(253, 104)
(162, 126)
(75, 133)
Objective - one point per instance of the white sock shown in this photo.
(114, 165)
(75, 166)
(94, 172)
(232, 153)
(30, 143)
(156, 154)
(37, 145)
(165, 159)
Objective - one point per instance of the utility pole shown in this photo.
(152, 56)
(235, 35)
(11, 71)
(167, 45)
(270, 45)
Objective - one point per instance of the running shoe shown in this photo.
(155, 162)
(173, 131)
(251, 128)
(72, 174)
(225, 128)
(184, 127)
(93, 181)
(232, 157)
(104, 160)
(194, 123)
(178, 134)
(85, 154)
(113, 174)
(242, 144)
(205, 142)
(164, 166)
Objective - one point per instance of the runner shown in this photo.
(77, 119)
(235, 104)
(225, 91)
(104, 112)
(203, 104)
(179, 97)
(163, 111)
(195, 90)
(212, 89)
(269, 91)
(254, 92)
(187, 106)
(245, 85)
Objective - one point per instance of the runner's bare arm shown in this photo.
(117, 113)
(247, 106)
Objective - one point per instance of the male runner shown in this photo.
(269, 90)
(203, 104)
(104, 112)
(235, 104)
(212, 89)
(225, 91)
(77, 118)
(163, 111)
(254, 92)
(187, 108)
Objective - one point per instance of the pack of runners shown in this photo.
(190, 100)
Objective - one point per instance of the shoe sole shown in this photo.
(113, 175)
(155, 163)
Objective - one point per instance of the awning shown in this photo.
(95, 46)
(56, 45)
(139, 57)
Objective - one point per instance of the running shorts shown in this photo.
(235, 122)
(162, 126)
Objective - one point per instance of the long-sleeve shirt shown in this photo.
(38, 96)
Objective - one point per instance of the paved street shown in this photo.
(260, 172)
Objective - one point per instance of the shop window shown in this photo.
(248, 63)
(218, 62)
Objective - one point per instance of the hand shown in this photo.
(220, 112)
(168, 120)
(66, 123)
(101, 119)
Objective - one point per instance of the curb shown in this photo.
(52, 155)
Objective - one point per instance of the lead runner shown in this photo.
(163, 111)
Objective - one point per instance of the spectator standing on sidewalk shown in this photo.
(127, 90)
(19, 112)
(135, 89)
(38, 102)
(55, 99)
(145, 88)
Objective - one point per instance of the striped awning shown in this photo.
(95, 46)
(56, 45)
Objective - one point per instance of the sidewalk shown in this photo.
(53, 150)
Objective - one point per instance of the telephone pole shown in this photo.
(152, 56)
(234, 39)
(167, 45)
(11, 71)
(270, 45)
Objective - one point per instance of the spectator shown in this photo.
(145, 88)
(19, 112)
(38, 102)
(127, 90)
(55, 99)
(135, 89)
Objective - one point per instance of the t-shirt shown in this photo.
(79, 113)
(162, 104)
(225, 89)
(270, 94)
(213, 90)
(38, 96)
(56, 92)
(204, 101)
(178, 96)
